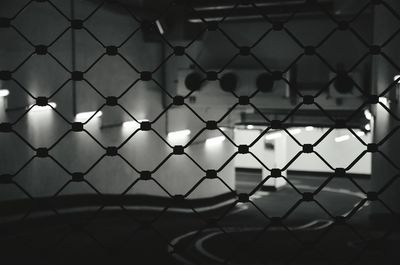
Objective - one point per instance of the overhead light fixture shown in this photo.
(250, 127)
(178, 134)
(342, 138)
(368, 114)
(84, 116)
(309, 128)
(215, 140)
(273, 136)
(160, 27)
(36, 108)
(367, 127)
(4, 92)
(397, 78)
(133, 124)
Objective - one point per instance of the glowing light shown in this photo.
(360, 133)
(215, 140)
(309, 128)
(367, 127)
(397, 78)
(36, 108)
(4, 92)
(384, 101)
(295, 131)
(368, 114)
(250, 127)
(342, 138)
(273, 136)
(178, 134)
(84, 116)
(132, 124)
(160, 28)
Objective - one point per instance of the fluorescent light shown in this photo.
(132, 124)
(309, 128)
(36, 108)
(384, 101)
(272, 136)
(4, 92)
(84, 116)
(178, 134)
(397, 78)
(367, 127)
(368, 114)
(159, 26)
(250, 127)
(215, 140)
(295, 131)
(360, 133)
(342, 138)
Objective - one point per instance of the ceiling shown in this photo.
(212, 9)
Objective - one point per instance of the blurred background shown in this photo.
(199, 132)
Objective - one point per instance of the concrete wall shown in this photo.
(271, 158)
(77, 152)
(277, 50)
(41, 75)
(337, 154)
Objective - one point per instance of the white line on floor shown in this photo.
(313, 225)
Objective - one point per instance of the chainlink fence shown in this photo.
(142, 235)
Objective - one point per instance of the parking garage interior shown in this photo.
(199, 132)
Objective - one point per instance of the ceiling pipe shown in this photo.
(210, 5)
(246, 12)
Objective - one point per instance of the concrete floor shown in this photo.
(243, 236)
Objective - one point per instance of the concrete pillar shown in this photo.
(386, 24)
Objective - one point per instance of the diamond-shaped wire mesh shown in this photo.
(68, 196)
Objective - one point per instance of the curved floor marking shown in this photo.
(175, 241)
(313, 225)
(172, 209)
(199, 245)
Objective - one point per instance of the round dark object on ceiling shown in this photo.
(193, 81)
(343, 83)
(228, 82)
(265, 82)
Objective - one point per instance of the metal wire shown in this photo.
(9, 75)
